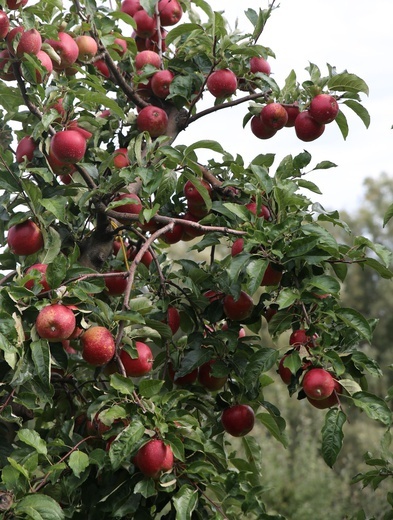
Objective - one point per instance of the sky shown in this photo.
(352, 36)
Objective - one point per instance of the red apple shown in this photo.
(173, 319)
(25, 238)
(146, 25)
(66, 48)
(98, 346)
(238, 420)
(298, 337)
(264, 211)
(68, 146)
(260, 130)
(330, 401)
(170, 12)
(16, 4)
(30, 43)
(237, 247)
(102, 67)
(272, 275)
(147, 257)
(12, 39)
(120, 158)
(140, 366)
(6, 71)
(174, 235)
(222, 83)
(25, 149)
(190, 232)
(153, 458)
(46, 63)
(318, 383)
(120, 46)
(207, 379)
(160, 83)
(4, 25)
(259, 64)
(284, 372)
(116, 285)
(186, 380)
(324, 108)
(192, 194)
(87, 47)
(307, 128)
(130, 7)
(41, 268)
(274, 115)
(293, 111)
(240, 309)
(132, 203)
(60, 167)
(153, 120)
(74, 125)
(152, 43)
(55, 322)
(147, 58)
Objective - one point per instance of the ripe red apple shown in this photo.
(192, 194)
(284, 372)
(170, 12)
(25, 238)
(272, 275)
(324, 108)
(242, 332)
(145, 25)
(264, 211)
(160, 83)
(6, 71)
(30, 43)
(87, 47)
(120, 46)
(153, 120)
(102, 67)
(174, 235)
(260, 130)
(55, 322)
(16, 4)
(151, 43)
(41, 268)
(116, 285)
(12, 39)
(120, 158)
(153, 458)
(190, 232)
(259, 64)
(237, 247)
(74, 125)
(274, 115)
(173, 319)
(318, 383)
(46, 63)
(25, 149)
(209, 381)
(68, 146)
(60, 167)
(240, 309)
(147, 58)
(330, 401)
(67, 49)
(298, 337)
(307, 128)
(98, 346)
(4, 24)
(132, 203)
(186, 380)
(140, 366)
(293, 111)
(222, 83)
(147, 257)
(238, 420)
(130, 7)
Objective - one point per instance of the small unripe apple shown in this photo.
(140, 366)
(274, 116)
(318, 383)
(153, 458)
(68, 146)
(259, 64)
(222, 83)
(206, 378)
(238, 420)
(240, 309)
(307, 128)
(153, 120)
(324, 108)
(87, 47)
(98, 346)
(55, 322)
(25, 238)
(25, 149)
(260, 130)
(170, 12)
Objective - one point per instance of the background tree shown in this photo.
(125, 373)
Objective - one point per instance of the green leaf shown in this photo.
(184, 28)
(40, 354)
(359, 110)
(261, 361)
(287, 297)
(208, 144)
(42, 507)
(342, 123)
(325, 283)
(78, 462)
(122, 384)
(150, 387)
(324, 165)
(185, 502)
(32, 438)
(56, 271)
(347, 82)
(309, 186)
(269, 421)
(332, 435)
(121, 448)
(355, 320)
(388, 215)
(375, 407)
(57, 206)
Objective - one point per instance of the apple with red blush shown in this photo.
(238, 420)
(25, 238)
(98, 345)
(142, 364)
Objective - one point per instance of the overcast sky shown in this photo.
(356, 36)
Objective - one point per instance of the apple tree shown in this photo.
(134, 380)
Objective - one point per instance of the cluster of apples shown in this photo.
(320, 386)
